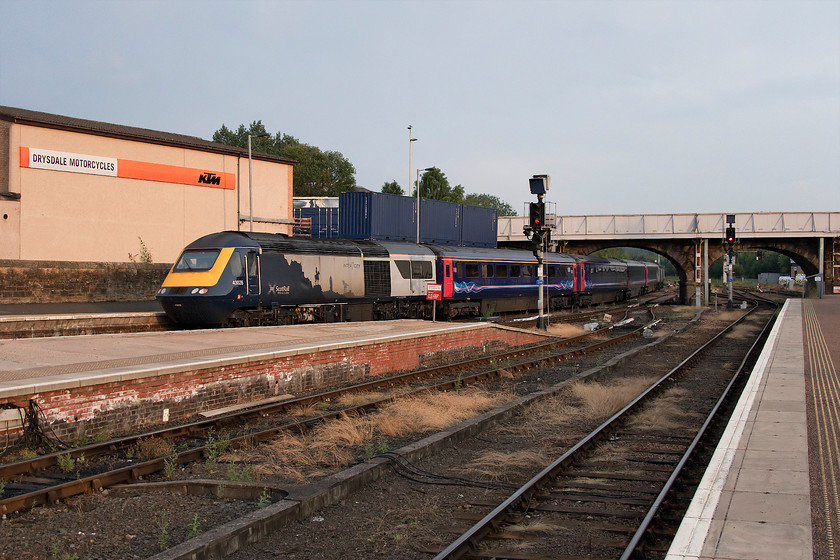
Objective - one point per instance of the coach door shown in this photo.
(448, 288)
(252, 269)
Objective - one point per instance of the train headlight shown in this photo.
(161, 292)
(194, 291)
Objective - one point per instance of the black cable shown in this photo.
(404, 468)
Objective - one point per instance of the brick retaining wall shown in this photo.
(73, 282)
(110, 409)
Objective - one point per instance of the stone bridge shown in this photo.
(693, 241)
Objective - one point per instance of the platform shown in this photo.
(771, 490)
(113, 383)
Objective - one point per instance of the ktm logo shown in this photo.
(210, 179)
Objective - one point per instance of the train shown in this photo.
(236, 278)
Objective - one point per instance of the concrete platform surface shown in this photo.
(758, 499)
(30, 361)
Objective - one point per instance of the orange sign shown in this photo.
(36, 158)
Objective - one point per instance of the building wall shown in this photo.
(71, 216)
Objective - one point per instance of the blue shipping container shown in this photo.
(323, 222)
(479, 226)
(388, 217)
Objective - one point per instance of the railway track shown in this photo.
(621, 489)
(47, 479)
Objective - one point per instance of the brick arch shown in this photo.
(682, 254)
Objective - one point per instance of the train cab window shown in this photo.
(487, 270)
(515, 271)
(252, 263)
(471, 270)
(501, 271)
(405, 269)
(421, 270)
(237, 266)
(196, 259)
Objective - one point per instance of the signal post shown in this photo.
(540, 235)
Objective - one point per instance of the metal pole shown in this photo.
(541, 324)
(250, 192)
(418, 206)
(410, 140)
(706, 271)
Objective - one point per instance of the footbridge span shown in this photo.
(693, 241)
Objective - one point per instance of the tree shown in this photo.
(392, 188)
(317, 173)
(501, 207)
(435, 185)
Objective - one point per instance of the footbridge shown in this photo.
(693, 241)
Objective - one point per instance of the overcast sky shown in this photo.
(630, 106)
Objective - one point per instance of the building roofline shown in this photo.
(49, 120)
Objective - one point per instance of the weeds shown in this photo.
(217, 445)
(170, 465)
(68, 464)
(265, 499)
(2, 488)
(152, 448)
(244, 473)
(56, 553)
(163, 530)
(195, 530)
(145, 255)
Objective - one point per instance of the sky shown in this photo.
(630, 106)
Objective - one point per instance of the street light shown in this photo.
(410, 140)
(418, 200)
(250, 192)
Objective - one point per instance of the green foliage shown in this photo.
(56, 554)
(490, 201)
(195, 530)
(265, 499)
(66, 463)
(2, 488)
(435, 185)
(217, 445)
(163, 530)
(170, 465)
(244, 473)
(392, 188)
(317, 173)
(746, 265)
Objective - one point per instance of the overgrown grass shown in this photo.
(336, 444)
(498, 465)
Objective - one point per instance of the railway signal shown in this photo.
(536, 215)
(539, 234)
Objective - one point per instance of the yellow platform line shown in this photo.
(826, 396)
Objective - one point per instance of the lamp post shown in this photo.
(250, 190)
(410, 140)
(418, 200)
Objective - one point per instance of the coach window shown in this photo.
(515, 271)
(552, 270)
(487, 270)
(501, 271)
(527, 270)
(471, 270)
